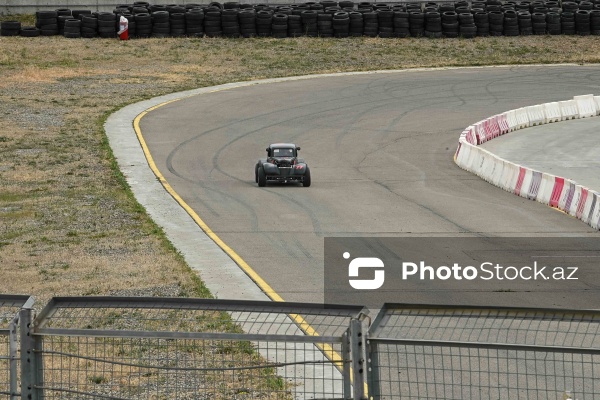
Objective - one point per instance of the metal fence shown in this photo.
(172, 348)
(10, 307)
(433, 352)
(148, 348)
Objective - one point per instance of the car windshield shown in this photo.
(283, 152)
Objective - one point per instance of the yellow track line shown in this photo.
(327, 350)
(265, 287)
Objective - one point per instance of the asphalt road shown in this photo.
(380, 150)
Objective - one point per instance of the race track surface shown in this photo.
(569, 150)
(380, 149)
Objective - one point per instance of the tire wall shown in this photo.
(325, 18)
(8, 7)
(555, 191)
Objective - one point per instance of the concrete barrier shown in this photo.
(536, 115)
(585, 105)
(568, 109)
(552, 112)
(555, 191)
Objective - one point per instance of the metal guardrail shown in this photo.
(10, 306)
(172, 348)
(432, 351)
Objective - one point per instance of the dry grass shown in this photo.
(68, 224)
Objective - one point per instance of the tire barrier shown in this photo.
(10, 28)
(554, 191)
(325, 19)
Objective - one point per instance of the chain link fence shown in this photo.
(146, 348)
(433, 352)
(10, 306)
(172, 348)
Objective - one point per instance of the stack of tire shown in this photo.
(10, 28)
(325, 24)
(496, 19)
(567, 23)
(72, 29)
(511, 23)
(310, 25)
(47, 22)
(230, 24)
(467, 28)
(279, 25)
(140, 4)
(553, 23)
(295, 27)
(264, 22)
(582, 21)
(107, 25)
(231, 5)
(143, 23)
(89, 25)
(247, 18)
(63, 15)
(371, 23)
(525, 23)
(538, 21)
(385, 18)
(341, 24)
(450, 26)
(357, 24)
(433, 24)
(79, 14)
(446, 7)
(417, 23)
(318, 7)
(28, 31)
(161, 26)
(401, 24)
(346, 5)
(139, 9)
(570, 6)
(482, 23)
(177, 24)
(595, 20)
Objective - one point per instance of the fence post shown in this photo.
(346, 357)
(29, 367)
(13, 344)
(373, 370)
(359, 357)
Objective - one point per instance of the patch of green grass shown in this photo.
(97, 379)
(272, 380)
(12, 197)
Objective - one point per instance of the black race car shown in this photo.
(282, 165)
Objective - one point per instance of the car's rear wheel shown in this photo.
(306, 179)
(256, 173)
(261, 178)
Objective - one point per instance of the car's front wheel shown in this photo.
(256, 173)
(261, 178)
(306, 179)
